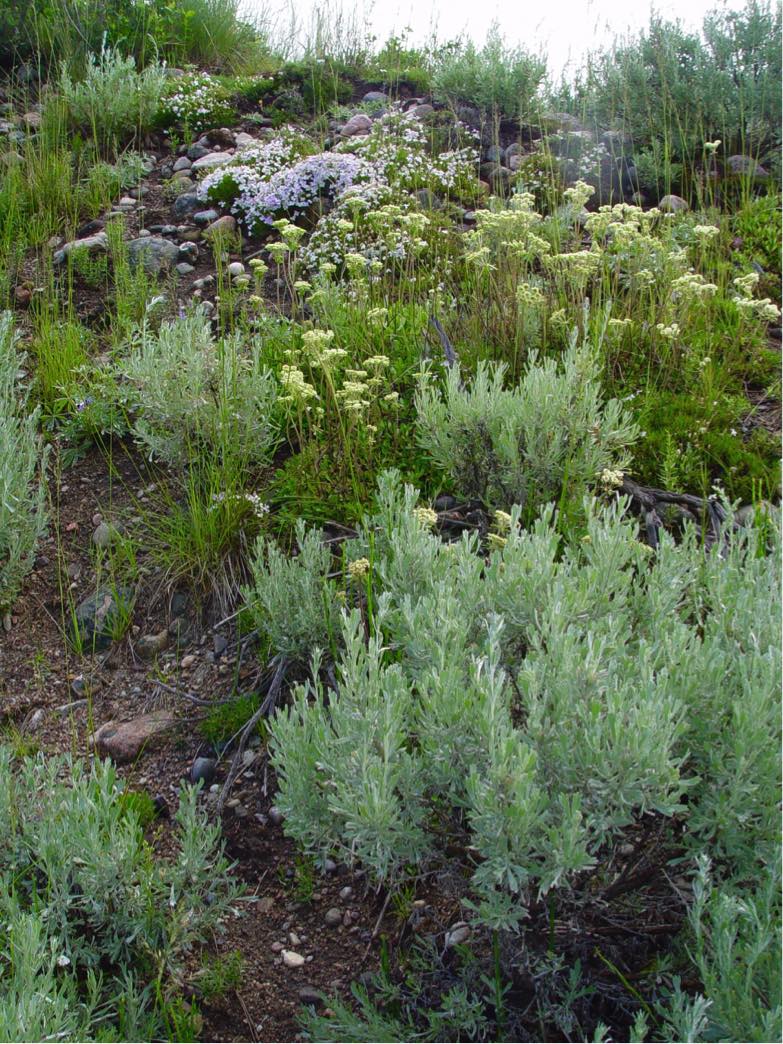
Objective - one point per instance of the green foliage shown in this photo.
(225, 721)
(671, 90)
(502, 82)
(194, 396)
(555, 693)
(23, 515)
(292, 601)
(220, 975)
(113, 102)
(99, 927)
(195, 102)
(530, 443)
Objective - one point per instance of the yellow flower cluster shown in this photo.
(298, 391)
(426, 517)
(359, 568)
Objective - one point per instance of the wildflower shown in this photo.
(711, 146)
(392, 397)
(670, 332)
(302, 286)
(63, 961)
(747, 284)
(496, 542)
(278, 252)
(611, 478)
(426, 517)
(706, 232)
(359, 568)
(502, 521)
(377, 315)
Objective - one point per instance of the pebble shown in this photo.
(292, 959)
(150, 645)
(205, 217)
(183, 268)
(333, 917)
(187, 661)
(294, 939)
(346, 893)
(460, 933)
(183, 163)
(104, 535)
(203, 770)
(277, 947)
(329, 866)
(275, 815)
(236, 268)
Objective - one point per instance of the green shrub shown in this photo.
(195, 102)
(114, 102)
(499, 80)
(23, 515)
(192, 395)
(99, 927)
(528, 444)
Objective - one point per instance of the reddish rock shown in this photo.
(124, 741)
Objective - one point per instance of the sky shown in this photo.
(563, 29)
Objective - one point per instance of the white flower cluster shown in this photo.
(197, 100)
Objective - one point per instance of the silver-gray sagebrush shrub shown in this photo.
(543, 701)
(23, 514)
(97, 927)
(192, 395)
(523, 444)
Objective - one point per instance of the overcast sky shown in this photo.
(562, 29)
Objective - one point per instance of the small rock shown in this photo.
(153, 252)
(206, 217)
(673, 204)
(275, 815)
(151, 645)
(183, 163)
(346, 893)
(124, 741)
(97, 244)
(266, 904)
(422, 110)
(243, 139)
(746, 167)
(310, 995)
(183, 268)
(221, 136)
(32, 120)
(186, 204)
(102, 617)
(329, 866)
(22, 296)
(188, 250)
(236, 268)
(104, 535)
(333, 917)
(356, 125)
(459, 933)
(292, 959)
(375, 96)
(211, 161)
(197, 152)
(222, 226)
(187, 661)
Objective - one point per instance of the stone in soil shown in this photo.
(97, 244)
(673, 204)
(101, 617)
(104, 535)
(124, 741)
(224, 225)
(153, 252)
(150, 645)
(292, 959)
(333, 917)
(356, 125)
(212, 160)
(310, 995)
(183, 163)
(186, 204)
(205, 217)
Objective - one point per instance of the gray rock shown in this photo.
(292, 959)
(102, 617)
(746, 167)
(460, 933)
(151, 645)
(560, 121)
(97, 244)
(104, 535)
(203, 770)
(346, 893)
(496, 176)
(187, 250)
(310, 995)
(333, 917)
(183, 268)
(514, 149)
(153, 252)
(425, 109)
(243, 139)
(206, 217)
(186, 204)
(32, 120)
(236, 268)
(358, 124)
(221, 136)
(275, 815)
(427, 200)
(197, 152)
(212, 160)
(375, 96)
(183, 163)
(494, 154)
(673, 205)
(226, 225)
